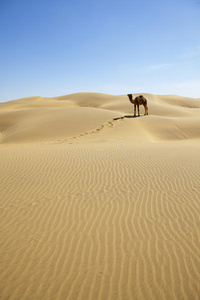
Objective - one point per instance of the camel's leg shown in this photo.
(145, 110)
(134, 110)
(138, 108)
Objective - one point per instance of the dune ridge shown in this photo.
(43, 119)
(96, 204)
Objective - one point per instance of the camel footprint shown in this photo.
(100, 128)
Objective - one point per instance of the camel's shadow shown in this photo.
(128, 116)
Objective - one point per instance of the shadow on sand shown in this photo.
(128, 116)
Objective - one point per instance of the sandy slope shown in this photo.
(45, 119)
(96, 204)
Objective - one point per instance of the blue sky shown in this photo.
(52, 48)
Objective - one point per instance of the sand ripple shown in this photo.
(93, 221)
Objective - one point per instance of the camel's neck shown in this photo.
(131, 98)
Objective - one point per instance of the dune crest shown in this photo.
(37, 119)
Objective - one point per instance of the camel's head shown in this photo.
(130, 96)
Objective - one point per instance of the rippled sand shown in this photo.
(96, 204)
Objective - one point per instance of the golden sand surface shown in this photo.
(96, 204)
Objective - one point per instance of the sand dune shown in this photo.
(96, 204)
(45, 119)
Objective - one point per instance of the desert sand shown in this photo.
(96, 204)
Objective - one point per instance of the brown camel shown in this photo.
(139, 100)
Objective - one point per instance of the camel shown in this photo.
(139, 100)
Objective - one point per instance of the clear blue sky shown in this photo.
(52, 48)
